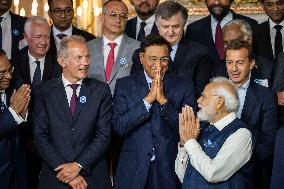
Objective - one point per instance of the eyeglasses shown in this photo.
(154, 59)
(114, 15)
(206, 96)
(238, 62)
(3, 73)
(59, 12)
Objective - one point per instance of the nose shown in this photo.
(85, 61)
(234, 66)
(171, 31)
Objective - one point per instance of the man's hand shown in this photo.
(20, 99)
(188, 125)
(67, 172)
(24, 112)
(78, 183)
(152, 95)
(280, 96)
(160, 89)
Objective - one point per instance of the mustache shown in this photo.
(145, 3)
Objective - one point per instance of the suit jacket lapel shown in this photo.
(61, 98)
(249, 103)
(181, 51)
(99, 64)
(267, 39)
(143, 88)
(25, 68)
(48, 68)
(84, 94)
(208, 33)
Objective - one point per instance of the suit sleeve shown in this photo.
(265, 146)
(97, 147)
(42, 138)
(136, 66)
(7, 122)
(127, 118)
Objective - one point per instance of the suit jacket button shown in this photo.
(73, 129)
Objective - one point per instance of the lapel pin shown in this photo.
(16, 32)
(123, 62)
(83, 99)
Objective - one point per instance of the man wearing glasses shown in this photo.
(61, 13)
(146, 107)
(13, 111)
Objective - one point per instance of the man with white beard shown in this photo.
(216, 153)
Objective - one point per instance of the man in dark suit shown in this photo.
(11, 30)
(61, 13)
(72, 123)
(263, 70)
(258, 108)
(208, 30)
(214, 153)
(146, 106)
(144, 23)
(189, 60)
(13, 111)
(268, 36)
(33, 66)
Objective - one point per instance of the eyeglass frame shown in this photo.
(154, 59)
(10, 71)
(58, 12)
(114, 15)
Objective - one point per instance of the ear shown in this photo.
(49, 14)
(61, 61)
(102, 18)
(26, 37)
(220, 103)
(141, 56)
(252, 64)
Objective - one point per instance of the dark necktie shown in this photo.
(37, 74)
(278, 41)
(110, 61)
(1, 18)
(61, 35)
(219, 43)
(2, 104)
(141, 34)
(74, 98)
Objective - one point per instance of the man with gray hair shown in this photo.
(215, 155)
(189, 60)
(72, 123)
(34, 66)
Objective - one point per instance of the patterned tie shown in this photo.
(278, 41)
(1, 18)
(74, 98)
(110, 61)
(141, 34)
(2, 104)
(37, 74)
(61, 35)
(219, 43)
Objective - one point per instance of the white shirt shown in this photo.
(6, 34)
(173, 51)
(55, 32)
(69, 90)
(224, 21)
(235, 152)
(16, 117)
(106, 47)
(273, 33)
(242, 91)
(33, 65)
(149, 25)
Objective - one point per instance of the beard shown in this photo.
(206, 113)
(219, 15)
(142, 12)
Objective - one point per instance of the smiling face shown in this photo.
(218, 8)
(145, 8)
(5, 6)
(274, 9)
(76, 63)
(5, 66)
(238, 65)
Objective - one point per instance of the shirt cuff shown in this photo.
(147, 105)
(190, 145)
(16, 117)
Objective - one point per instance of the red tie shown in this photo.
(219, 43)
(110, 61)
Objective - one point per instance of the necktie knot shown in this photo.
(37, 63)
(141, 33)
(278, 27)
(74, 86)
(61, 35)
(142, 25)
(112, 45)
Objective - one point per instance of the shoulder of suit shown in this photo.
(240, 123)
(130, 21)
(199, 22)
(130, 40)
(251, 21)
(262, 91)
(18, 17)
(94, 41)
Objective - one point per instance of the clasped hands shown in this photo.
(280, 96)
(189, 125)
(20, 100)
(69, 174)
(156, 91)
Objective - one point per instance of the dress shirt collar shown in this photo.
(174, 47)
(117, 40)
(66, 82)
(150, 20)
(67, 32)
(226, 19)
(6, 15)
(272, 24)
(222, 123)
(33, 59)
(148, 79)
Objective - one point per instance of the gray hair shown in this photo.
(244, 26)
(62, 51)
(231, 99)
(34, 20)
(167, 9)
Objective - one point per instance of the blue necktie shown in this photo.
(141, 34)
(37, 74)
